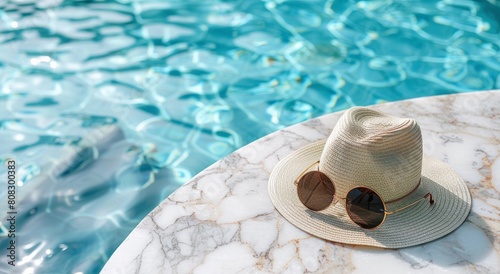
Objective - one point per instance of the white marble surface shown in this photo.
(223, 221)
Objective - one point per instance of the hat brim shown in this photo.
(415, 225)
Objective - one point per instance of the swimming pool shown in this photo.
(109, 106)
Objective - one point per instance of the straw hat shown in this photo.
(384, 153)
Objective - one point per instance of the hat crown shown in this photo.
(371, 149)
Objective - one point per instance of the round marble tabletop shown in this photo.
(223, 221)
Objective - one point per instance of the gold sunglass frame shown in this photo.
(336, 198)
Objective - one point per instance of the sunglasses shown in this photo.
(364, 206)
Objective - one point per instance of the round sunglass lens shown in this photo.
(365, 207)
(315, 190)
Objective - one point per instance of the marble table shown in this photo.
(223, 221)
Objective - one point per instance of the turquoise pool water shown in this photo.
(109, 106)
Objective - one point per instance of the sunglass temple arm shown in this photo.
(305, 170)
(431, 201)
